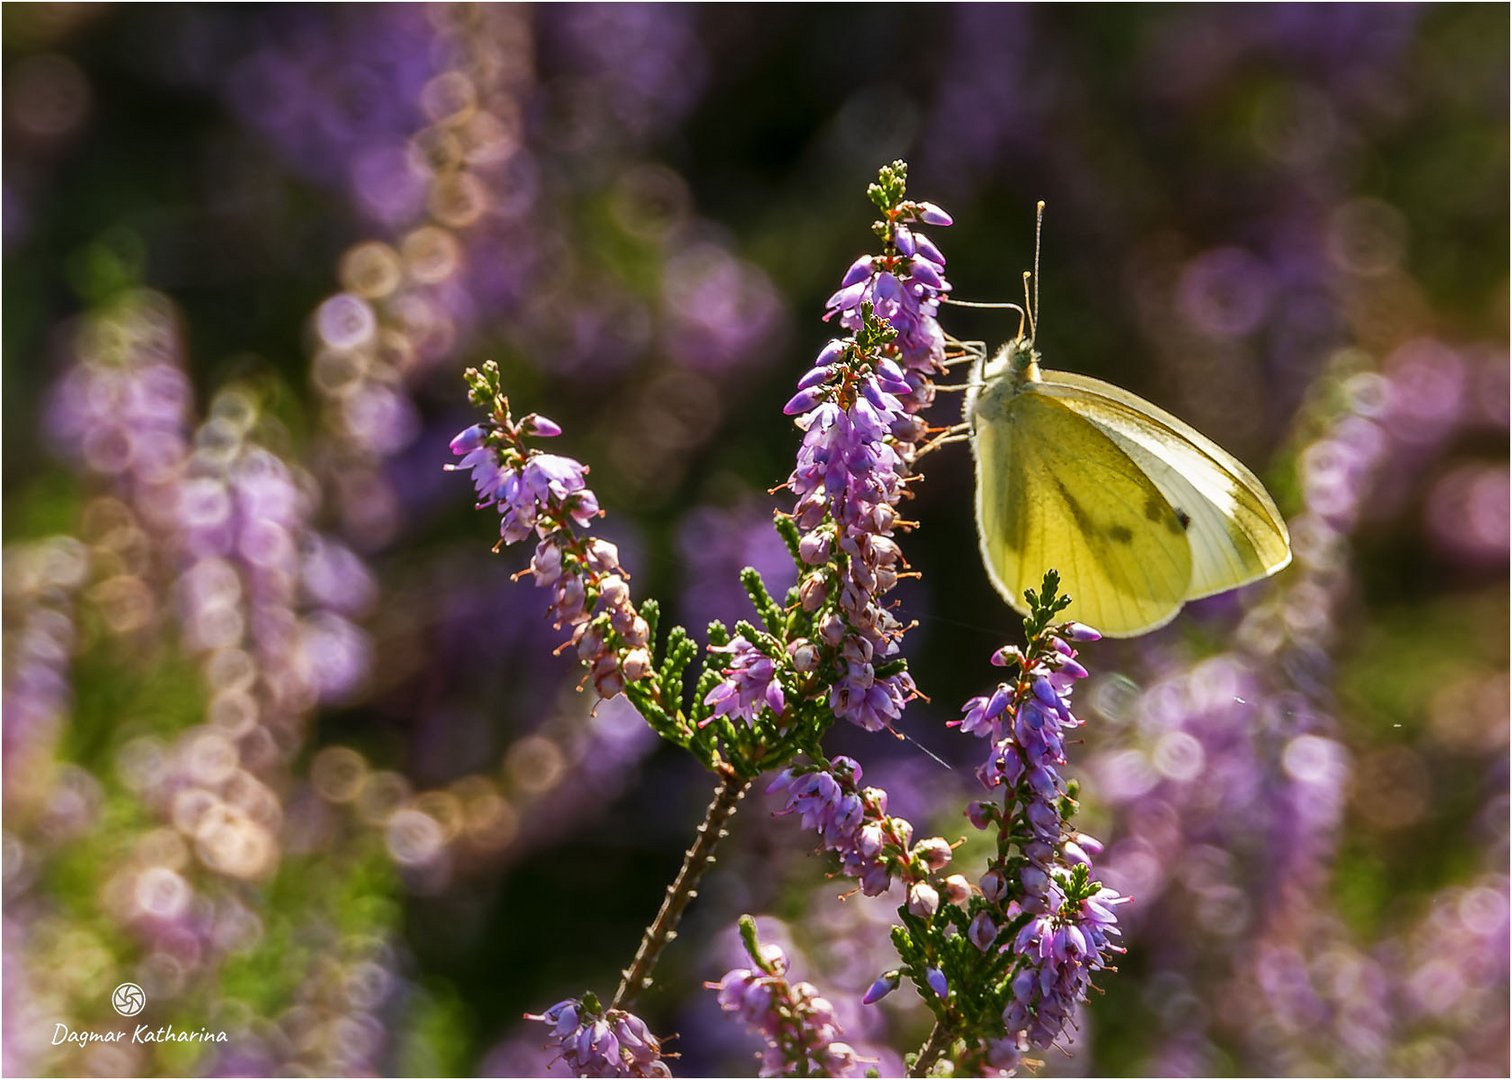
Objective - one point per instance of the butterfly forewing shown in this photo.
(1053, 491)
(1235, 532)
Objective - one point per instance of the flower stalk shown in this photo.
(684, 888)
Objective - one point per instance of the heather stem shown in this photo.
(683, 888)
(929, 1053)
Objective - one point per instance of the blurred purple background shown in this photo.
(285, 746)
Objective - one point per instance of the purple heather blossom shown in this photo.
(750, 683)
(597, 1042)
(937, 982)
(905, 291)
(1061, 949)
(547, 494)
(1028, 738)
(854, 408)
(854, 824)
(1071, 929)
(983, 931)
(799, 1026)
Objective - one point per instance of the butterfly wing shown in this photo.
(1235, 531)
(1055, 491)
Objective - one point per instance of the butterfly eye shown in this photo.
(1021, 356)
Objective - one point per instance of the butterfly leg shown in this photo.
(963, 352)
(953, 434)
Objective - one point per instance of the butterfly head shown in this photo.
(1018, 360)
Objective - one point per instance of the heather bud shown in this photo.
(804, 400)
(923, 900)
(994, 886)
(933, 853)
(812, 592)
(834, 349)
(804, 655)
(930, 214)
(538, 425)
(1008, 654)
(613, 591)
(982, 932)
(636, 664)
(814, 547)
(607, 677)
(878, 990)
(469, 439)
(937, 983)
(981, 814)
(637, 632)
(603, 556)
(590, 641)
(957, 889)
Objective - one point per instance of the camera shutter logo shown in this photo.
(128, 999)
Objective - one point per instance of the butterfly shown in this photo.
(1138, 511)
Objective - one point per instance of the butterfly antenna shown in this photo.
(1039, 223)
(1005, 306)
(985, 307)
(1028, 308)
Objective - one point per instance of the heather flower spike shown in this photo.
(546, 496)
(1040, 926)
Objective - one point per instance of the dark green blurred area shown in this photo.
(1235, 197)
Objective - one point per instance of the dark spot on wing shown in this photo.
(1121, 533)
(1083, 519)
(1174, 518)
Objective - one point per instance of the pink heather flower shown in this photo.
(956, 889)
(933, 853)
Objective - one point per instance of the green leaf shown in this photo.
(774, 618)
(787, 528)
(650, 610)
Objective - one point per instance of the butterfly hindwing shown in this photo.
(1235, 532)
(1053, 491)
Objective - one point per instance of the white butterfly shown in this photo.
(1138, 511)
